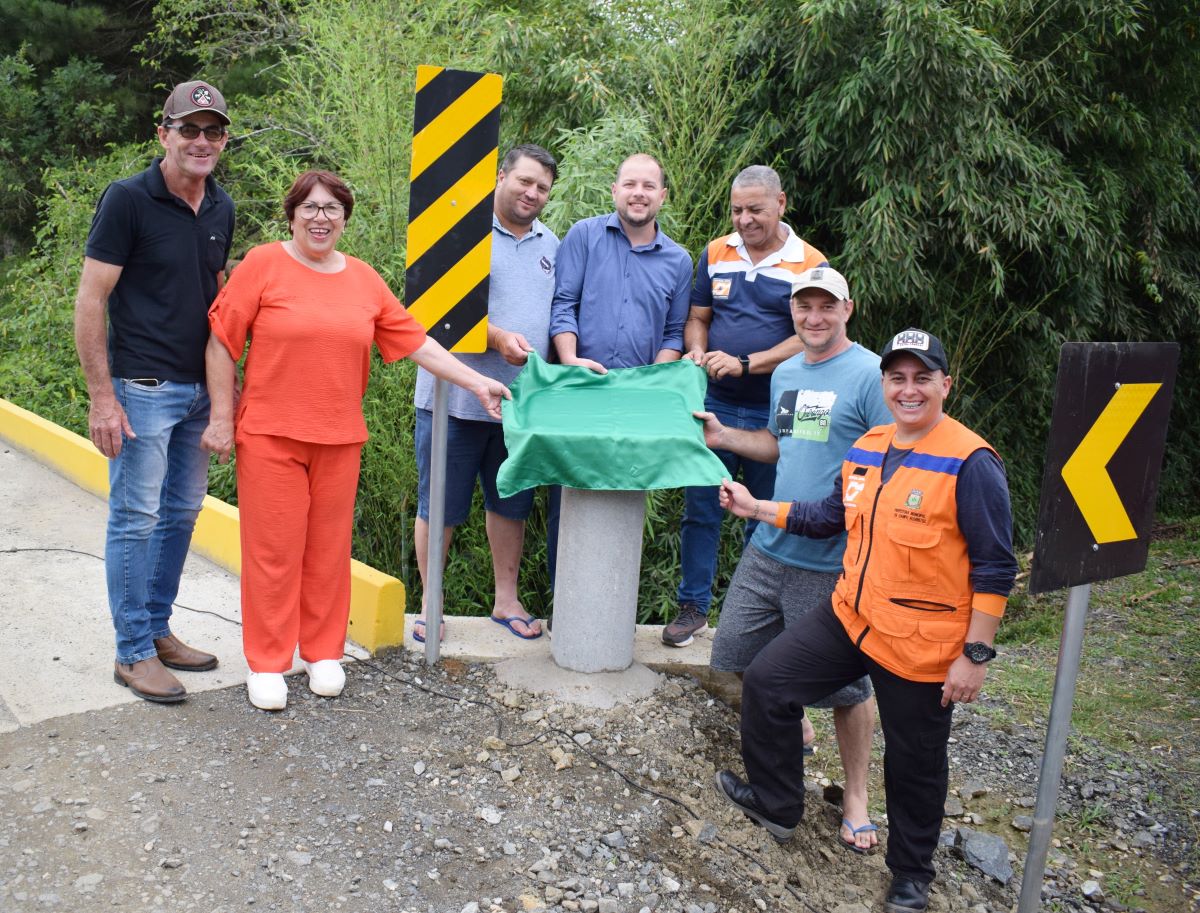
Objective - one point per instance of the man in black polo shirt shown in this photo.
(154, 262)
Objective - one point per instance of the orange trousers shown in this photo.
(296, 501)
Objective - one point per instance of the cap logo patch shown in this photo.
(911, 339)
(202, 96)
(817, 274)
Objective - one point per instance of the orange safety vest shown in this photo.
(904, 596)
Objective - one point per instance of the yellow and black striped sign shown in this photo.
(456, 126)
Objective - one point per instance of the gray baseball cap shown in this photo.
(825, 278)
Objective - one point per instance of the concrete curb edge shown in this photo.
(376, 599)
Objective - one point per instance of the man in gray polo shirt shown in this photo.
(522, 285)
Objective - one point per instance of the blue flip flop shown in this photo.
(418, 635)
(508, 623)
(854, 832)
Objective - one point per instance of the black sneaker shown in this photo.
(689, 620)
(741, 796)
(906, 895)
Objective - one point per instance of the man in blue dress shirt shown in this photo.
(621, 288)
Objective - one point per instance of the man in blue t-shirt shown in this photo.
(822, 401)
(154, 261)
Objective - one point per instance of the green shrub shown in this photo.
(38, 367)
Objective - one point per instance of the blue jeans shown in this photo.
(700, 532)
(156, 486)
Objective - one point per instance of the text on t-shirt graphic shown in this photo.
(805, 414)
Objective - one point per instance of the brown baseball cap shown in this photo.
(194, 97)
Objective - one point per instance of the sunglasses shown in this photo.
(213, 133)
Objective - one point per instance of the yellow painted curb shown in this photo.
(376, 599)
(69, 454)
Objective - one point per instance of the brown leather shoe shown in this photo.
(175, 654)
(150, 681)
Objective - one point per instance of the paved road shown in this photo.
(56, 645)
(56, 642)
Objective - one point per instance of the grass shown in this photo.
(1138, 693)
(1140, 667)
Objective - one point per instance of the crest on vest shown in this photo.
(911, 510)
(853, 488)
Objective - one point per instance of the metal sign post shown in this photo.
(435, 561)
(1107, 436)
(1069, 651)
(456, 126)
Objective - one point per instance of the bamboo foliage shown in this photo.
(1009, 174)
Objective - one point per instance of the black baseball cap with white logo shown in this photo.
(926, 347)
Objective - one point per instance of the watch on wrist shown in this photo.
(745, 360)
(979, 652)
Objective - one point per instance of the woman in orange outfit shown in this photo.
(312, 313)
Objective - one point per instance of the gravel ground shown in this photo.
(479, 799)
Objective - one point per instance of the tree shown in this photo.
(1007, 175)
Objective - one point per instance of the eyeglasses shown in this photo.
(332, 211)
(213, 132)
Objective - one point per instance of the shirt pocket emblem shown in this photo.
(214, 253)
(721, 288)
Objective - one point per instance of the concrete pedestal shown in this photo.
(596, 581)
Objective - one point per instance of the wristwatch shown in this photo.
(979, 653)
(745, 360)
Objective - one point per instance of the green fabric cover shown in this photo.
(628, 430)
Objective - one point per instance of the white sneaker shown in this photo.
(267, 690)
(326, 677)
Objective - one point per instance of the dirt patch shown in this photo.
(443, 792)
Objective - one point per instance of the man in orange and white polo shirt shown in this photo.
(738, 329)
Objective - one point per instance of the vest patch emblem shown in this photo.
(913, 501)
(853, 489)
